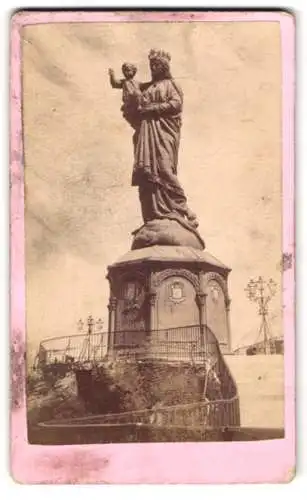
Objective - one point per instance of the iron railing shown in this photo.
(189, 343)
(208, 414)
(275, 345)
(218, 404)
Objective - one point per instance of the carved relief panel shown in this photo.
(131, 305)
(176, 305)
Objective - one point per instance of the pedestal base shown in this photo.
(163, 298)
(167, 232)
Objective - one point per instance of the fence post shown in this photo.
(90, 324)
(111, 326)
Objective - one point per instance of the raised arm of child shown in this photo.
(115, 84)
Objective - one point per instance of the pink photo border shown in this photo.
(184, 463)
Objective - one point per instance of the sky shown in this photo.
(80, 206)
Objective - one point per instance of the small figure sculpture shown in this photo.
(132, 94)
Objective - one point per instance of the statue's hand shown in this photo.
(111, 72)
(147, 108)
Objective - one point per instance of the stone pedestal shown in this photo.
(159, 289)
(167, 232)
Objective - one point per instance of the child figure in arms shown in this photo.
(132, 95)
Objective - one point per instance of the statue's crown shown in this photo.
(159, 54)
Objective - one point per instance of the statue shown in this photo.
(131, 88)
(153, 110)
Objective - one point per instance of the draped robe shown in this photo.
(156, 143)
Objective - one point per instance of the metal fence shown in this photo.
(208, 414)
(274, 345)
(72, 348)
(218, 405)
(190, 343)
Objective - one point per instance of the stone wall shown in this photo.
(260, 382)
(124, 386)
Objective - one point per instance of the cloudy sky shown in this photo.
(80, 206)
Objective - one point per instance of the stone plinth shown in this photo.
(167, 232)
(157, 290)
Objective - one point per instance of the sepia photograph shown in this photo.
(152, 247)
(153, 232)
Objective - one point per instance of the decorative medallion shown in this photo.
(177, 292)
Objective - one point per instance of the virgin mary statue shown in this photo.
(156, 120)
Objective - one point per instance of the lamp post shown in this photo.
(93, 326)
(99, 328)
(90, 325)
(261, 292)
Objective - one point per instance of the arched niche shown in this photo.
(176, 304)
(216, 310)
